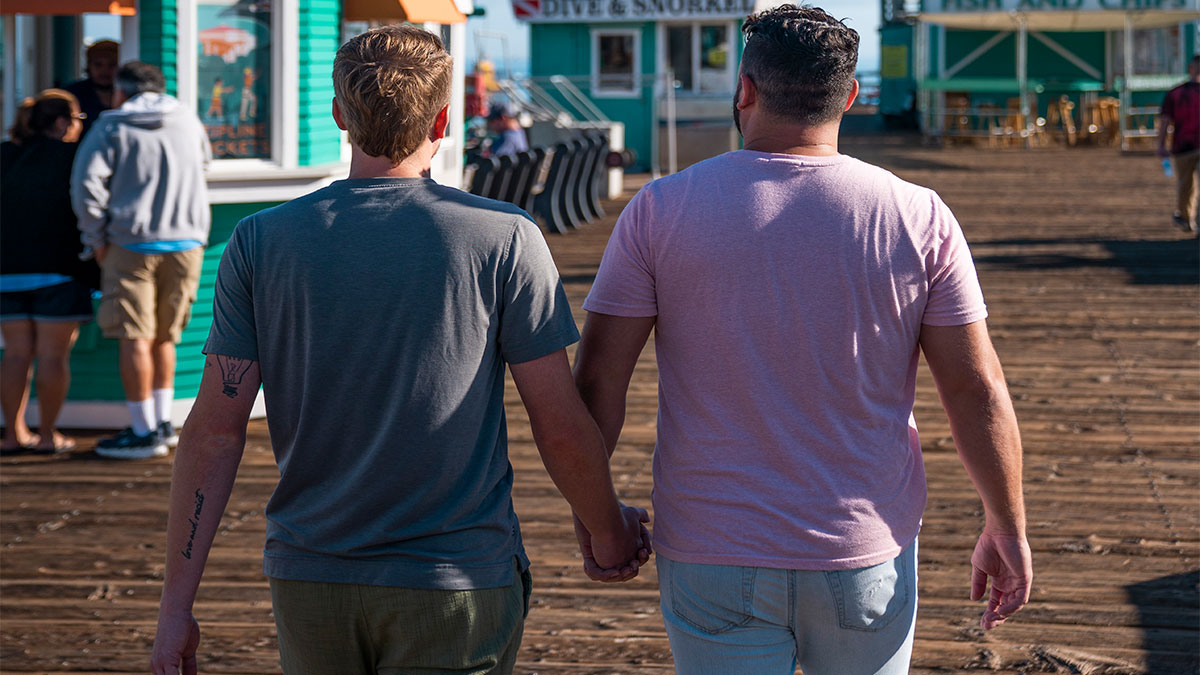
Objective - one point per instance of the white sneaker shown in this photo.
(128, 445)
(166, 432)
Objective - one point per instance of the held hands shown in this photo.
(175, 644)
(1007, 560)
(616, 557)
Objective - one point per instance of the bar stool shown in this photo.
(1060, 118)
(1104, 125)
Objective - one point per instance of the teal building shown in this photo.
(258, 73)
(949, 65)
(647, 63)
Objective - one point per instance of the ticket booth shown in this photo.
(258, 74)
(661, 67)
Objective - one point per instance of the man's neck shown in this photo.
(792, 139)
(416, 165)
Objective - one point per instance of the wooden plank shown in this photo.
(1094, 310)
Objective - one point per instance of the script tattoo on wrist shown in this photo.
(194, 521)
(232, 371)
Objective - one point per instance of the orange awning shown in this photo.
(68, 7)
(413, 11)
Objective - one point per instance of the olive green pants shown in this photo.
(351, 629)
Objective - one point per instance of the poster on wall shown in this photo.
(234, 64)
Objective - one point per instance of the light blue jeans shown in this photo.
(725, 619)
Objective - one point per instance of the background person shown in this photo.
(95, 92)
(379, 314)
(45, 289)
(510, 135)
(1181, 112)
(148, 236)
(790, 288)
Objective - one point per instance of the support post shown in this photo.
(655, 113)
(1126, 91)
(1023, 76)
(10, 72)
(672, 147)
(921, 73)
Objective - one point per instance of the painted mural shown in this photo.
(234, 64)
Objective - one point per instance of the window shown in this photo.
(1156, 51)
(699, 54)
(616, 69)
(679, 55)
(234, 73)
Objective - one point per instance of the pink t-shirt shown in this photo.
(789, 294)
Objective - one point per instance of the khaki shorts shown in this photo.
(148, 297)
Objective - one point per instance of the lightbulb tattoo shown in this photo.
(232, 371)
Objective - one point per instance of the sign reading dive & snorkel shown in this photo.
(545, 11)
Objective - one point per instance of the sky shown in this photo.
(498, 32)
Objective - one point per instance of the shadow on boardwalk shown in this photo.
(1167, 604)
(1146, 262)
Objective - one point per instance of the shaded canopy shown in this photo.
(1061, 20)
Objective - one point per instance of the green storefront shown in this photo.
(257, 72)
(619, 53)
(952, 63)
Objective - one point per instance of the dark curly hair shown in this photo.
(801, 61)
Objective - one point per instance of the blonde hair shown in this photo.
(390, 84)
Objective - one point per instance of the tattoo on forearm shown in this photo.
(232, 371)
(194, 521)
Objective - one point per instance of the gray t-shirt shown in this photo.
(381, 312)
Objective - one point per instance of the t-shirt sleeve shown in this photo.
(535, 317)
(955, 297)
(233, 328)
(624, 284)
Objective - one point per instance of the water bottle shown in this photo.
(1167, 170)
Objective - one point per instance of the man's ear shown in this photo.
(853, 95)
(337, 115)
(438, 132)
(749, 92)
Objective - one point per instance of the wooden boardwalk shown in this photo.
(1095, 312)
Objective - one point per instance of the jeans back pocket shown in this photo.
(711, 598)
(869, 598)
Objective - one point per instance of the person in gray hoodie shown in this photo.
(138, 189)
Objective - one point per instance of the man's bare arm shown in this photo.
(971, 385)
(573, 452)
(604, 363)
(1163, 123)
(206, 463)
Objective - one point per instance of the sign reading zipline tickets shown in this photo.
(547, 11)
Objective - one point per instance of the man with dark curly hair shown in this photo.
(791, 290)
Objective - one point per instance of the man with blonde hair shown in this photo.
(378, 314)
